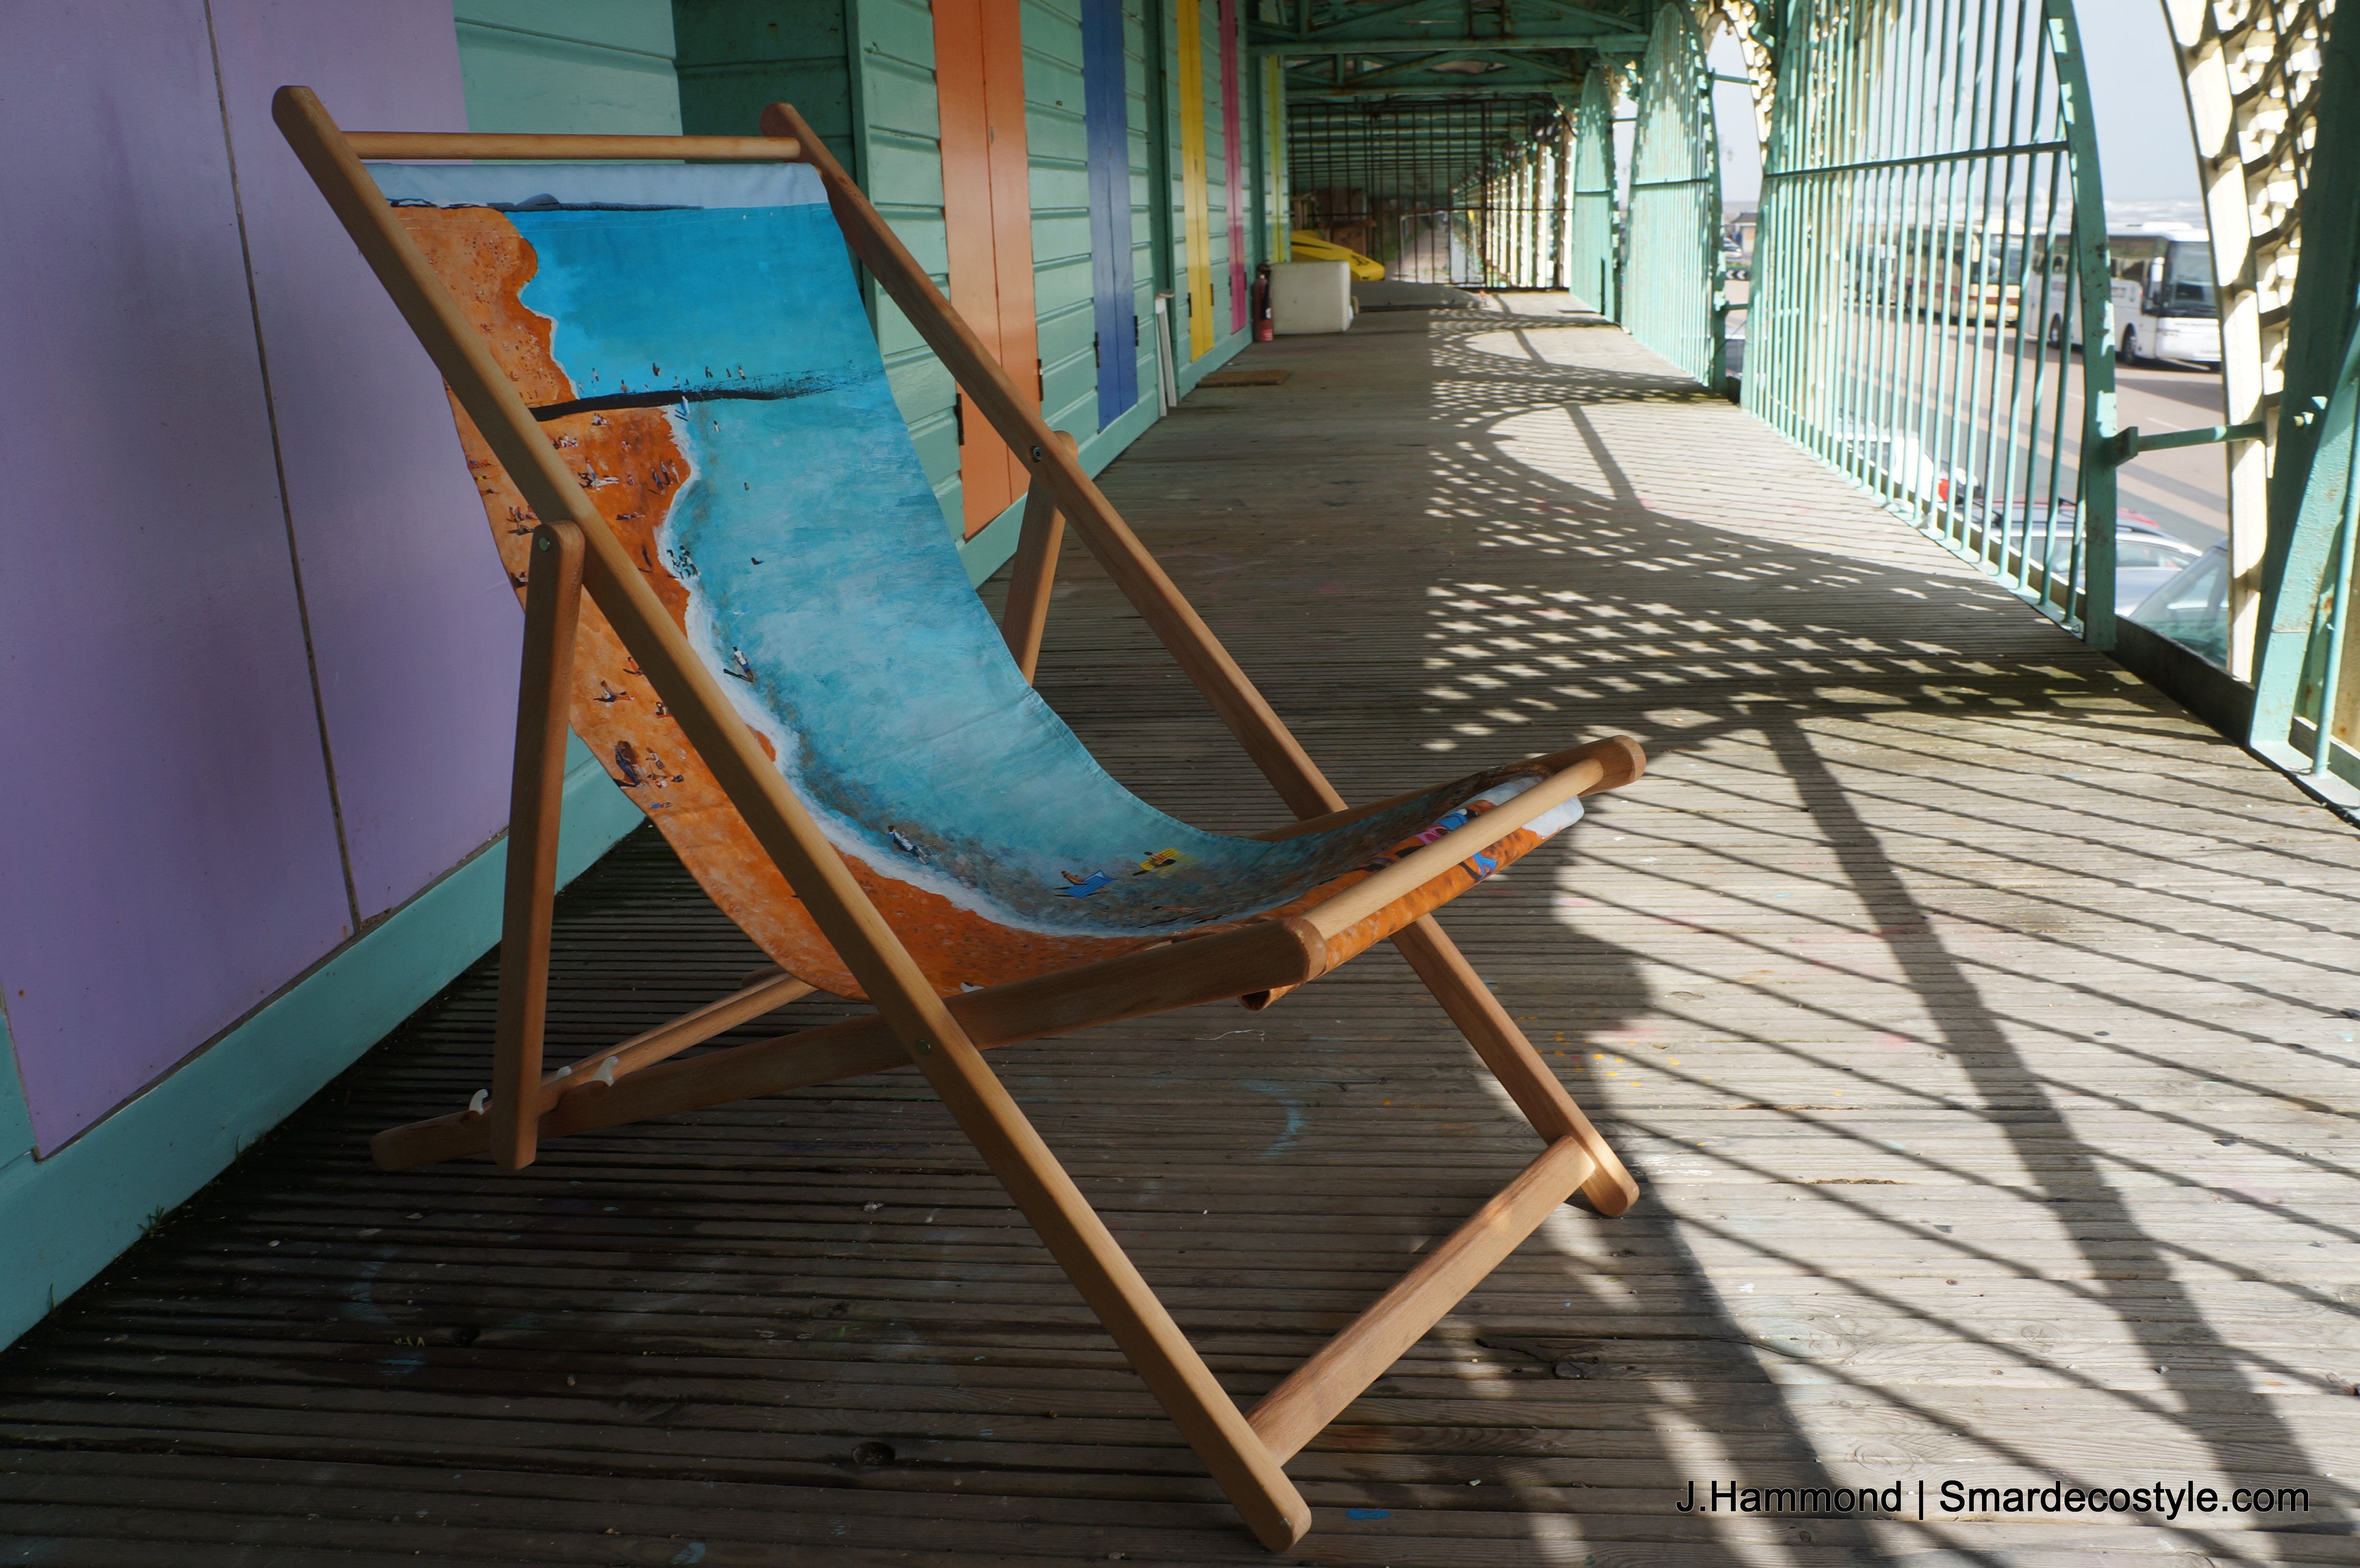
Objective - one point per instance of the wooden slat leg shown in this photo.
(553, 608)
(1296, 1410)
(1512, 1059)
(1207, 1418)
(1034, 571)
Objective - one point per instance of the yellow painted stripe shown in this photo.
(1191, 28)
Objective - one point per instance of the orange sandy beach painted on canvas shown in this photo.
(633, 469)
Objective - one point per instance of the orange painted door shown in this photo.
(987, 223)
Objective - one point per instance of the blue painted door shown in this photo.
(1106, 97)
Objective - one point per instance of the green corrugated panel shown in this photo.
(904, 171)
(736, 57)
(568, 65)
(1137, 112)
(1055, 137)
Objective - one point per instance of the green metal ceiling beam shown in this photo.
(1337, 41)
(1414, 26)
(1509, 75)
(1300, 92)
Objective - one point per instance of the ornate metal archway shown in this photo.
(2307, 657)
(1515, 212)
(1591, 260)
(1754, 23)
(2252, 70)
(1672, 297)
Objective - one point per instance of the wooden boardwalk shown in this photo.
(1973, 1016)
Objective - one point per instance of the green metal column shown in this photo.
(1673, 300)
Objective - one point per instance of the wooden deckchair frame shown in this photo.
(573, 550)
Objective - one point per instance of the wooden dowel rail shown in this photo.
(644, 1050)
(1622, 757)
(1209, 969)
(1410, 872)
(495, 146)
(1296, 1410)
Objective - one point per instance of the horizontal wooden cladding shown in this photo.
(557, 148)
(1258, 957)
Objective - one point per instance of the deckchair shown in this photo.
(671, 395)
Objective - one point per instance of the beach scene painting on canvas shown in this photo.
(693, 341)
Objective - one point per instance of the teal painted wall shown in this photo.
(1057, 140)
(568, 65)
(15, 1121)
(899, 141)
(736, 57)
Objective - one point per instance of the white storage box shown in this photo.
(1310, 297)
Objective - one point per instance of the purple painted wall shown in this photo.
(169, 852)
(415, 632)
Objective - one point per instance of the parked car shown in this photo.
(2145, 555)
(2192, 607)
(1897, 457)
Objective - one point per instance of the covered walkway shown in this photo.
(1973, 1018)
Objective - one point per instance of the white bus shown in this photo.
(2163, 297)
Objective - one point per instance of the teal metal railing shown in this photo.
(1672, 285)
(1590, 231)
(1931, 200)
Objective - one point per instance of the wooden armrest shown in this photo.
(1590, 773)
(1621, 755)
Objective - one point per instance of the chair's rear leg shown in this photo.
(1512, 1059)
(1207, 1418)
(1034, 571)
(553, 614)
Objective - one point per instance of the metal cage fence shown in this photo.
(1930, 204)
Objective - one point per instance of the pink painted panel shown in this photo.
(167, 852)
(415, 633)
(1233, 154)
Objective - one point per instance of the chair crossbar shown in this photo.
(1134, 984)
(664, 1041)
(494, 147)
(1299, 1409)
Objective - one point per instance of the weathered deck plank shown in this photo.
(1971, 1016)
